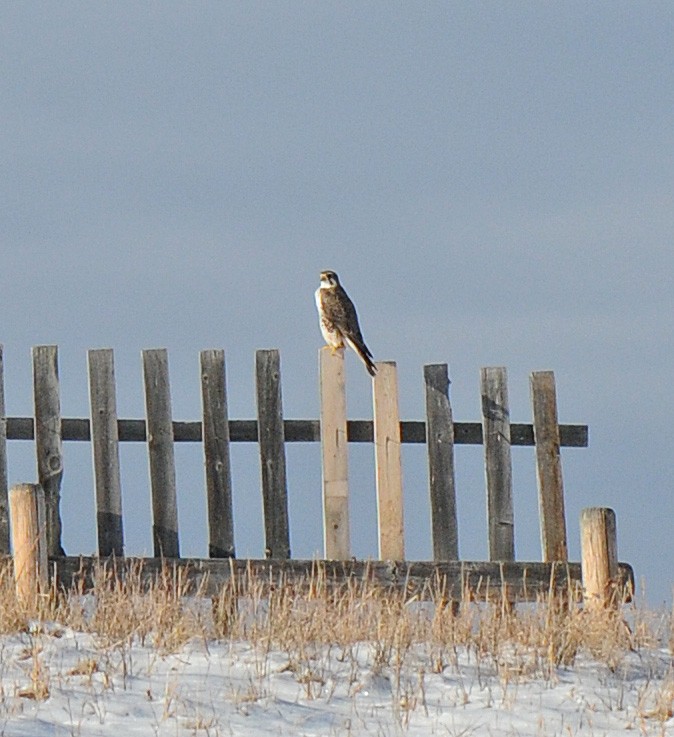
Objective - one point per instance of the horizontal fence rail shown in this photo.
(451, 580)
(295, 431)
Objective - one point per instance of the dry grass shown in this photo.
(298, 618)
(314, 624)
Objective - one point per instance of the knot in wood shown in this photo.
(55, 464)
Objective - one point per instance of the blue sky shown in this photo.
(492, 181)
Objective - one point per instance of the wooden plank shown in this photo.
(272, 453)
(161, 453)
(4, 489)
(599, 551)
(548, 467)
(520, 581)
(48, 445)
(216, 454)
(440, 431)
(29, 537)
(334, 455)
(297, 431)
(498, 464)
(105, 452)
(388, 466)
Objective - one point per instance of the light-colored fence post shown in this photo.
(388, 462)
(334, 455)
(599, 550)
(29, 539)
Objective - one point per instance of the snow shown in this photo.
(56, 681)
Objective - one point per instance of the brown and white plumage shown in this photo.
(338, 319)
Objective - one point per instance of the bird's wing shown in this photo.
(346, 320)
(350, 329)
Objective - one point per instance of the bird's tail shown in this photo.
(364, 352)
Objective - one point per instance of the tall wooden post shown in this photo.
(29, 538)
(216, 454)
(440, 441)
(271, 436)
(334, 454)
(105, 452)
(498, 463)
(48, 444)
(548, 466)
(161, 453)
(599, 550)
(388, 462)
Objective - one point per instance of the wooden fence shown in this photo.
(271, 431)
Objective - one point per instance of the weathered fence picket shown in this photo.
(498, 463)
(216, 455)
(272, 453)
(548, 466)
(440, 439)
(48, 444)
(105, 450)
(161, 453)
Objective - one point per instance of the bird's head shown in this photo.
(329, 279)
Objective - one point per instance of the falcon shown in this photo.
(338, 319)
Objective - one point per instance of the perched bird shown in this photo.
(338, 319)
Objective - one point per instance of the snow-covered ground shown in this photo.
(55, 681)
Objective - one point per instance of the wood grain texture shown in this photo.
(4, 490)
(456, 580)
(160, 453)
(388, 466)
(29, 537)
(440, 433)
(599, 551)
(272, 453)
(548, 467)
(217, 462)
(334, 455)
(498, 463)
(105, 452)
(48, 445)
